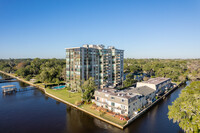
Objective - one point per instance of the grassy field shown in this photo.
(65, 95)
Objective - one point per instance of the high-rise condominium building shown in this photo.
(105, 65)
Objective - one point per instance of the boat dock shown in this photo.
(12, 89)
(9, 89)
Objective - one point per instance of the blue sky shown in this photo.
(143, 28)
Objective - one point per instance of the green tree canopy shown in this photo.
(88, 89)
(129, 80)
(185, 110)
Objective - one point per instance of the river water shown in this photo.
(33, 112)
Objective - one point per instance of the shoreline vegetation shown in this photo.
(45, 73)
(185, 110)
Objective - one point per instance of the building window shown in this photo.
(113, 104)
(97, 98)
(123, 100)
(122, 106)
(112, 98)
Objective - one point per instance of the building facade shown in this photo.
(159, 84)
(105, 65)
(129, 101)
(126, 102)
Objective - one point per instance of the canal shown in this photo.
(33, 112)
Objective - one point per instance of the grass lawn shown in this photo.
(40, 84)
(65, 95)
(109, 117)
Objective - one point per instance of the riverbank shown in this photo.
(87, 110)
(23, 80)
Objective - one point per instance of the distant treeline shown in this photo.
(53, 70)
(43, 70)
(176, 69)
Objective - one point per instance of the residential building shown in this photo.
(159, 84)
(125, 102)
(128, 101)
(105, 65)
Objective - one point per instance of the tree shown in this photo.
(88, 89)
(135, 68)
(28, 78)
(129, 76)
(185, 110)
(129, 80)
(20, 65)
(23, 72)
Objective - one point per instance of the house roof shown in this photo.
(118, 93)
(156, 81)
(143, 90)
(129, 92)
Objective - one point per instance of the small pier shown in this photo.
(9, 89)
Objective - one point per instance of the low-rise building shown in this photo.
(129, 101)
(125, 102)
(159, 84)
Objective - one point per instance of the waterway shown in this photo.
(33, 112)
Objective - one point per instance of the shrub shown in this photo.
(68, 88)
(28, 77)
(78, 103)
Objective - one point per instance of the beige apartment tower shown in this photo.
(105, 65)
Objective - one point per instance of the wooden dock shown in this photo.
(12, 89)
(9, 90)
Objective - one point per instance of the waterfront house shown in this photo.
(129, 101)
(126, 102)
(159, 84)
